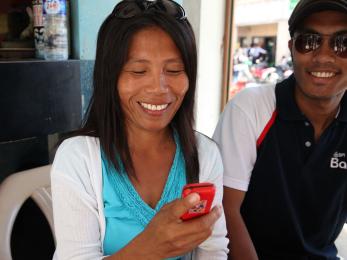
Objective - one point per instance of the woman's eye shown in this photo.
(175, 71)
(138, 72)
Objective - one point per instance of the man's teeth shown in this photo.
(154, 107)
(323, 74)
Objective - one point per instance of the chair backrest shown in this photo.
(14, 191)
(341, 243)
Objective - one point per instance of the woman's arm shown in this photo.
(77, 224)
(167, 235)
(78, 232)
(211, 170)
(76, 221)
(75, 207)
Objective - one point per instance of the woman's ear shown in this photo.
(290, 45)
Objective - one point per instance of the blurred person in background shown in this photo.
(256, 53)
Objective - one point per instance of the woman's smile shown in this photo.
(154, 109)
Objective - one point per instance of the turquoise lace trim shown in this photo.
(132, 200)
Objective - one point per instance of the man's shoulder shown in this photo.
(262, 89)
(254, 105)
(255, 98)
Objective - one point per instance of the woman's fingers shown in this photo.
(191, 233)
(203, 225)
(197, 229)
(178, 207)
(213, 216)
(174, 236)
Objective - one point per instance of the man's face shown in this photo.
(321, 74)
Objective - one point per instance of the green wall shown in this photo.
(87, 16)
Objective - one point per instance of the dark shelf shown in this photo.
(39, 98)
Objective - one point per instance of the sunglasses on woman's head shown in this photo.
(307, 42)
(130, 8)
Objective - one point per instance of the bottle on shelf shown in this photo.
(56, 30)
(38, 28)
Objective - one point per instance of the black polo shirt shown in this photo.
(296, 203)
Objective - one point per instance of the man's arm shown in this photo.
(240, 245)
(236, 134)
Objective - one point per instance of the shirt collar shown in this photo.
(342, 114)
(285, 100)
(289, 110)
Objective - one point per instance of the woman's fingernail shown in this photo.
(193, 198)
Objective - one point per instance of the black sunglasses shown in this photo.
(307, 42)
(130, 8)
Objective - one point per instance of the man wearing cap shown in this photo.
(284, 147)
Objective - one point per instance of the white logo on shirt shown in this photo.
(338, 161)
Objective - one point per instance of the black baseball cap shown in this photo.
(307, 7)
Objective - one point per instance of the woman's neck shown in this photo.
(143, 140)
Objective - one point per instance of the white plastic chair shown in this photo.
(341, 243)
(14, 191)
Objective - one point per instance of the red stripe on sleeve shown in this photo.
(267, 128)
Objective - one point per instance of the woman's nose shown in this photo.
(158, 84)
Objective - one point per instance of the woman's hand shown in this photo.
(168, 236)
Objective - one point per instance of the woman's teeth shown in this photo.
(153, 107)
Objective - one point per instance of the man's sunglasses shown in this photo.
(307, 42)
(130, 8)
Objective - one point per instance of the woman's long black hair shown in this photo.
(105, 118)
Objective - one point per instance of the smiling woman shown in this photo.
(116, 184)
(153, 83)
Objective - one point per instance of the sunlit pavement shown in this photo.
(341, 243)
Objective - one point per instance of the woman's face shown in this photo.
(153, 81)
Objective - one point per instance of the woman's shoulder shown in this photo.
(77, 167)
(77, 143)
(210, 161)
(206, 146)
(75, 154)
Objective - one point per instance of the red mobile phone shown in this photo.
(206, 191)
